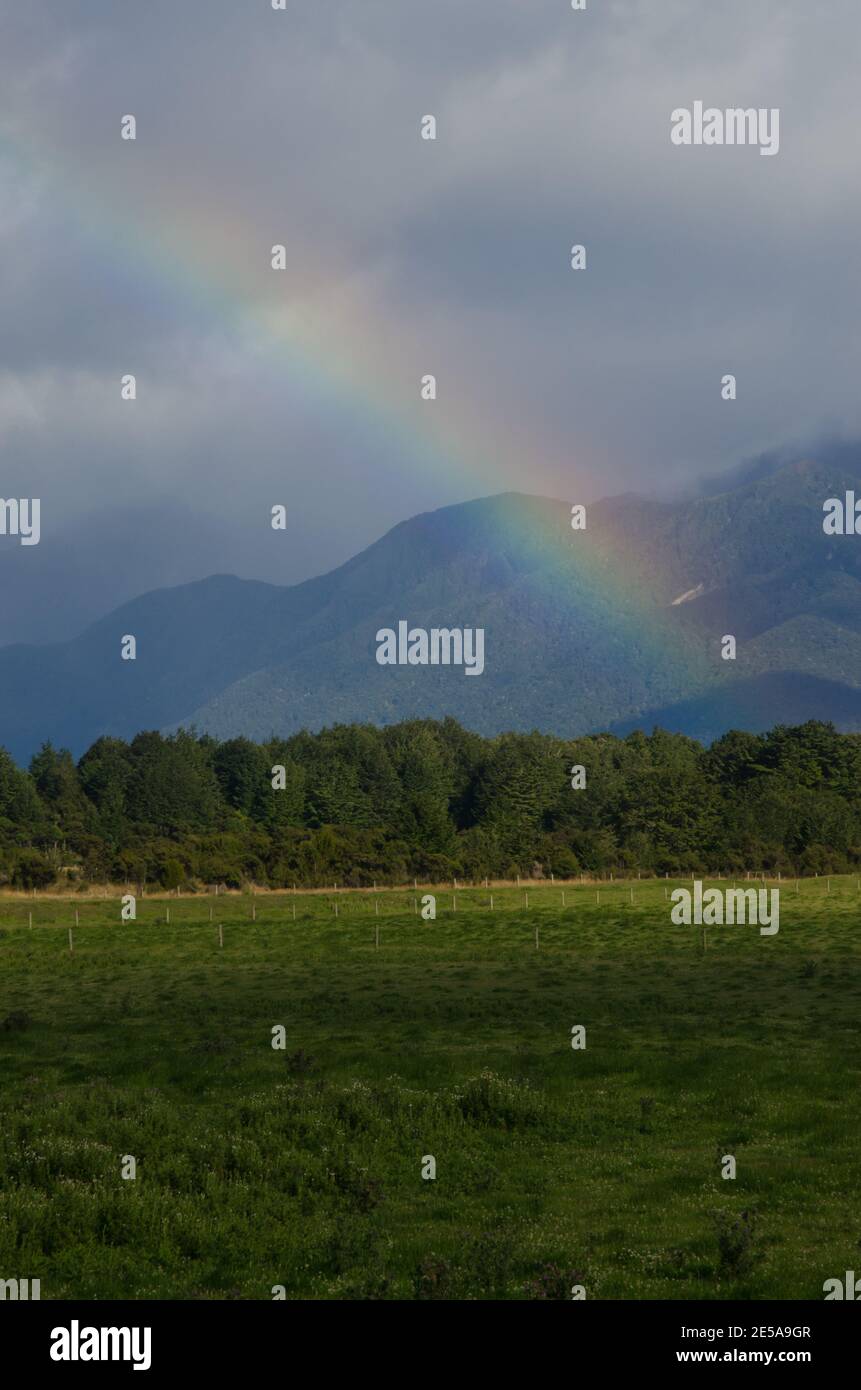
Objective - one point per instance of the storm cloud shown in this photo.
(404, 257)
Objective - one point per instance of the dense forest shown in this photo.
(356, 804)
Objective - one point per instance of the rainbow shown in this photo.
(330, 336)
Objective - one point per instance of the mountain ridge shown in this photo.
(582, 631)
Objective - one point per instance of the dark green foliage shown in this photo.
(738, 1252)
(433, 1279)
(30, 869)
(355, 805)
(15, 1022)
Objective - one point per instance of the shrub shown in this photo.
(433, 1279)
(736, 1240)
(32, 870)
(173, 874)
(488, 1099)
(553, 1282)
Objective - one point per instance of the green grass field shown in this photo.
(302, 1167)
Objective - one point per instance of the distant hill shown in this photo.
(616, 626)
(754, 705)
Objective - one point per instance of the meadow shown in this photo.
(302, 1167)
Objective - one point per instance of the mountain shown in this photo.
(756, 705)
(618, 625)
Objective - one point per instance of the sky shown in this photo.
(404, 257)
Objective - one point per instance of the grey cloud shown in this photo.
(256, 127)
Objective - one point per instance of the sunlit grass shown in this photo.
(450, 1038)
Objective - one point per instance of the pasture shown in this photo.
(302, 1167)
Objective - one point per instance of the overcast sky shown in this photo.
(301, 387)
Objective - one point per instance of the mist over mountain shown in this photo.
(83, 570)
(85, 567)
(616, 626)
(839, 455)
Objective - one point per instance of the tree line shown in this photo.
(356, 804)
